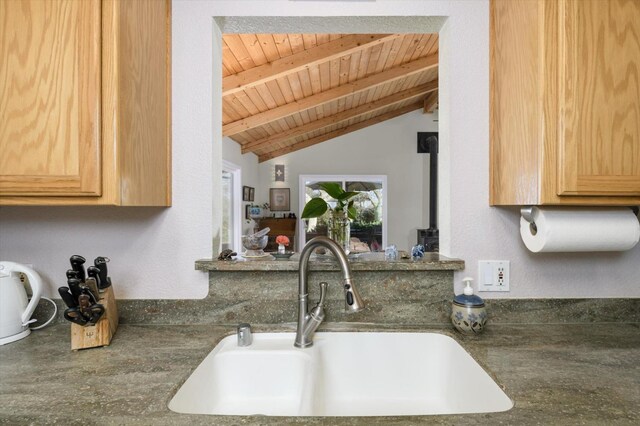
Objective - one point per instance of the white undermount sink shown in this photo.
(342, 374)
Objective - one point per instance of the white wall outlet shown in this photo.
(493, 275)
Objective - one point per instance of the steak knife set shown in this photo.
(82, 293)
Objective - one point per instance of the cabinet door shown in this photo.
(50, 97)
(599, 80)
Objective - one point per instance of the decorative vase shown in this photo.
(339, 229)
(468, 313)
(255, 212)
(281, 249)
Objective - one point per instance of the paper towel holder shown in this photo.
(527, 214)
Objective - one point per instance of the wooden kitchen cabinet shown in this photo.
(85, 102)
(565, 102)
(279, 226)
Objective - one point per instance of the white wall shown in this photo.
(387, 148)
(248, 164)
(153, 249)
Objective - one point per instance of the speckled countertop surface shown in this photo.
(357, 262)
(556, 374)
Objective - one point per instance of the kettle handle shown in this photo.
(36, 286)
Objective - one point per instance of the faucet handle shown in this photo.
(317, 313)
(245, 337)
(316, 316)
(323, 294)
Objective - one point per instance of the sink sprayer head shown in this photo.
(353, 301)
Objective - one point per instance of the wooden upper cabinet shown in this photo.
(600, 97)
(50, 97)
(565, 102)
(85, 104)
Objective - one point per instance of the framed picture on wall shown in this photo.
(252, 194)
(246, 192)
(279, 199)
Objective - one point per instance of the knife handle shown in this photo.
(94, 272)
(74, 286)
(77, 264)
(72, 274)
(92, 285)
(67, 298)
(84, 305)
(100, 262)
(86, 293)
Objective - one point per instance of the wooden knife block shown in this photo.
(100, 334)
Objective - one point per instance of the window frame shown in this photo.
(236, 210)
(302, 179)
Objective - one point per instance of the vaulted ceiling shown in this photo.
(285, 92)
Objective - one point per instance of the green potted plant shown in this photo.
(338, 228)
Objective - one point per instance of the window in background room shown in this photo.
(231, 206)
(369, 227)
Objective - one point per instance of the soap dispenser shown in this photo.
(468, 313)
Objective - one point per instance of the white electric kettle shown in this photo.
(15, 309)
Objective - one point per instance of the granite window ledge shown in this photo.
(366, 262)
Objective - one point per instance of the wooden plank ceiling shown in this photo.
(285, 92)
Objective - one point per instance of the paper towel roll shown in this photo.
(562, 229)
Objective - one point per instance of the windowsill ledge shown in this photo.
(359, 262)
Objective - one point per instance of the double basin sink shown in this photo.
(342, 374)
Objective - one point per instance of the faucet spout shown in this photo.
(308, 322)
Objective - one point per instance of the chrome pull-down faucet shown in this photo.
(308, 322)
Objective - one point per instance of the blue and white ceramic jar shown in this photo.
(468, 313)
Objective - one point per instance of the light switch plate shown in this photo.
(493, 275)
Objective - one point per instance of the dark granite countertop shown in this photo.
(357, 262)
(556, 374)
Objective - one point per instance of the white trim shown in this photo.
(236, 172)
(301, 237)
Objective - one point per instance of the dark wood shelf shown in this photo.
(279, 226)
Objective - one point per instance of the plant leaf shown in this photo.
(332, 188)
(346, 195)
(351, 212)
(316, 207)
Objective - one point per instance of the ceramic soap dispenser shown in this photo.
(468, 313)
